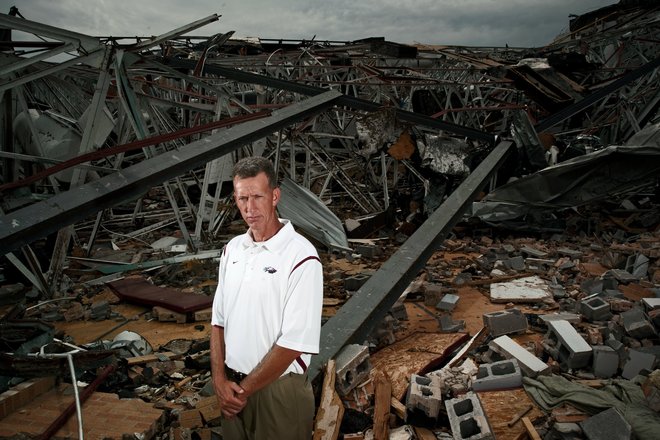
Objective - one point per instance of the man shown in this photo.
(266, 319)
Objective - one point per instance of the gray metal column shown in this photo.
(355, 320)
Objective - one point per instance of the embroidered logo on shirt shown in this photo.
(270, 269)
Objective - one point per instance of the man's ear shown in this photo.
(276, 196)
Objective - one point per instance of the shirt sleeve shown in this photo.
(301, 324)
(218, 312)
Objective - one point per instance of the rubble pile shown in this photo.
(488, 221)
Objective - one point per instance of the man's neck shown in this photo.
(261, 236)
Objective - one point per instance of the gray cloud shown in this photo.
(465, 22)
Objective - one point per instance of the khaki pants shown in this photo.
(283, 410)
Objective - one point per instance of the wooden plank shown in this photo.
(418, 353)
(382, 399)
(424, 434)
(23, 393)
(531, 431)
(154, 357)
(331, 409)
(399, 409)
(501, 406)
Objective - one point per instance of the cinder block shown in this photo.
(354, 282)
(447, 324)
(605, 361)
(529, 364)
(467, 418)
(651, 303)
(505, 322)
(595, 309)
(448, 302)
(636, 362)
(608, 424)
(432, 294)
(566, 345)
(515, 263)
(353, 365)
(383, 334)
(619, 347)
(636, 324)
(367, 250)
(425, 395)
(498, 376)
(399, 311)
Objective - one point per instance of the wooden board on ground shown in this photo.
(418, 353)
(501, 406)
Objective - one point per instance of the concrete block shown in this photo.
(447, 324)
(383, 334)
(505, 322)
(399, 311)
(651, 303)
(636, 324)
(565, 344)
(608, 424)
(498, 375)
(595, 309)
(448, 302)
(467, 418)
(636, 362)
(353, 365)
(573, 318)
(605, 361)
(425, 395)
(367, 250)
(529, 364)
(515, 263)
(432, 294)
(619, 347)
(354, 282)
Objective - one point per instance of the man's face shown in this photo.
(257, 201)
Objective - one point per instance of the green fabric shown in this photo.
(624, 395)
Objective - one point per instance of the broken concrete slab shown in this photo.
(532, 289)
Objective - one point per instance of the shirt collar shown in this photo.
(277, 242)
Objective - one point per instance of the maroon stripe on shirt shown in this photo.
(303, 260)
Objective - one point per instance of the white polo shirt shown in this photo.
(269, 293)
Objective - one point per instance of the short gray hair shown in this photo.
(252, 166)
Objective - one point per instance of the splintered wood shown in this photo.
(331, 409)
(501, 407)
(416, 354)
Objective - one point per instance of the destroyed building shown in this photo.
(488, 220)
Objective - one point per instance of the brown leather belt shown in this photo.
(233, 375)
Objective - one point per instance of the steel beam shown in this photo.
(345, 100)
(369, 305)
(593, 98)
(40, 219)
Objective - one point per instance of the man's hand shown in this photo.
(231, 397)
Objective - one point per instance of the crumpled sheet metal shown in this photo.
(308, 213)
(612, 171)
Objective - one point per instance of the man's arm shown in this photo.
(229, 393)
(271, 367)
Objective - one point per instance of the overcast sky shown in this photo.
(526, 23)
